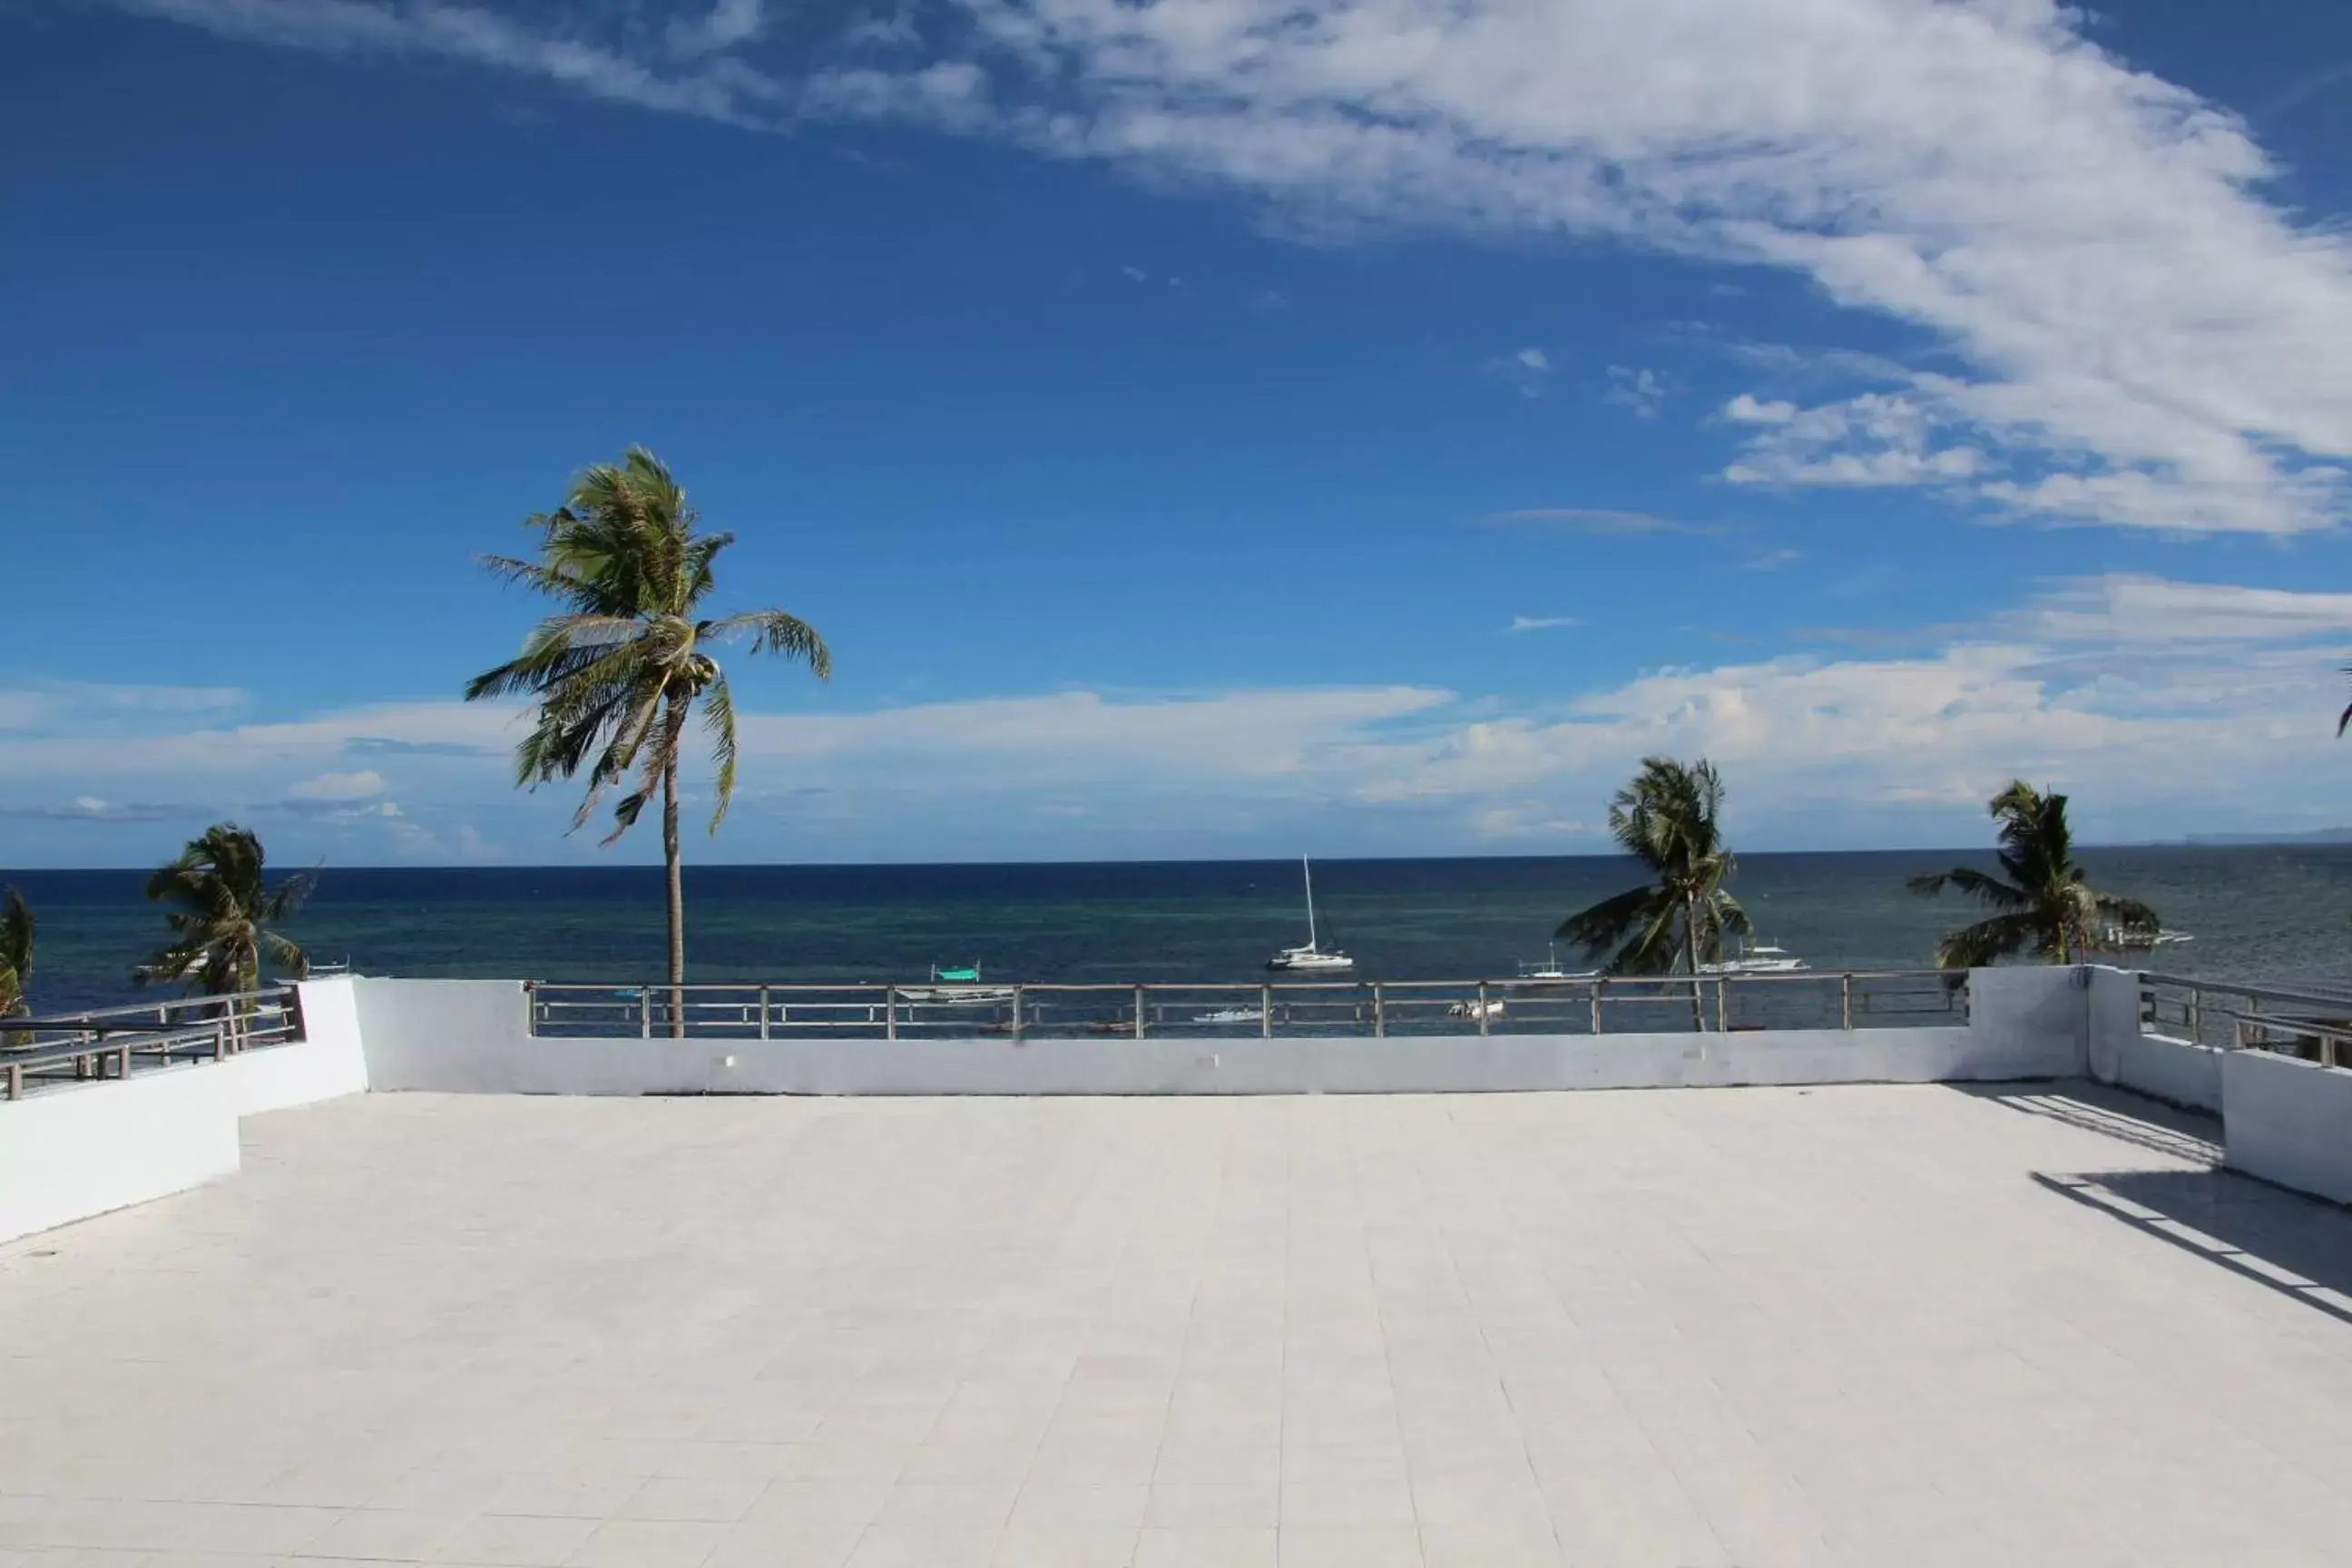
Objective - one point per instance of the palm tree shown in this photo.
(617, 671)
(2045, 907)
(15, 953)
(1668, 818)
(223, 927)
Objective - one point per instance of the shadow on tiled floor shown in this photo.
(2297, 1246)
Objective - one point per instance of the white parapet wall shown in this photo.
(2289, 1121)
(69, 1153)
(474, 1035)
(2178, 1071)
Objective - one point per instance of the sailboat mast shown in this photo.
(1306, 869)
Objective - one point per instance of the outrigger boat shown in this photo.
(956, 986)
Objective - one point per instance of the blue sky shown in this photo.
(1197, 433)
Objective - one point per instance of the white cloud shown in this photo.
(337, 786)
(1643, 393)
(1874, 440)
(2126, 607)
(1746, 409)
(1538, 623)
(2148, 340)
(2147, 696)
(728, 24)
(1525, 371)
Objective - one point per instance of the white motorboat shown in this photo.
(1757, 958)
(1232, 1015)
(1313, 957)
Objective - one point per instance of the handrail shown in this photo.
(95, 1054)
(85, 1016)
(1839, 999)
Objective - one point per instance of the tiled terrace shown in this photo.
(1887, 1327)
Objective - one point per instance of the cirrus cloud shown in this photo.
(2145, 338)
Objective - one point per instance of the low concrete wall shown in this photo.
(68, 1154)
(2175, 1071)
(327, 1062)
(470, 1036)
(2288, 1121)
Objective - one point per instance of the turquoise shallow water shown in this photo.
(2277, 914)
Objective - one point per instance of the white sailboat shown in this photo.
(1314, 956)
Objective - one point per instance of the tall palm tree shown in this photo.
(1668, 819)
(225, 916)
(15, 953)
(2045, 907)
(616, 672)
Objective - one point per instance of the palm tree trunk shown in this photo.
(676, 888)
(1690, 943)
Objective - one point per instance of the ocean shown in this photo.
(2275, 914)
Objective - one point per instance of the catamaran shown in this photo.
(1314, 956)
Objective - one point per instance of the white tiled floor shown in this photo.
(1680, 1330)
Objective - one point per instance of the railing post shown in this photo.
(1138, 1012)
(763, 1012)
(1380, 1011)
(644, 1014)
(1723, 1005)
(15, 1080)
(889, 1012)
(2196, 1015)
(122, 1062)
(292, 1019)
(1265, 1010)
(1846, 1000)
(220, 1039)
(1596, 1006)
(1016, 1014)
(1482, 1007)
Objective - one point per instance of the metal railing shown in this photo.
(115, 1042)
(1266, 1009)
(2223, 1015)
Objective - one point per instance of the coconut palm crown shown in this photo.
(2046, 907)
(618, 669)
(15, 953)
(224, 916)
(1668, 819)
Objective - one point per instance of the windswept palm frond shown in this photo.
(1669, 819)
(2048, 909)
(613, 678)
(224, 915)
(17, 931)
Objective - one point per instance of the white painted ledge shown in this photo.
(69, 1153)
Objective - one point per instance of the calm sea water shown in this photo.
(2278, 914)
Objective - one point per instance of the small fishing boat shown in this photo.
(1757, 958)
(2140, 939)
(1313, 957)
(1541, 974)
(1232, 1015)
(1491, 1008)
(956, 986)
